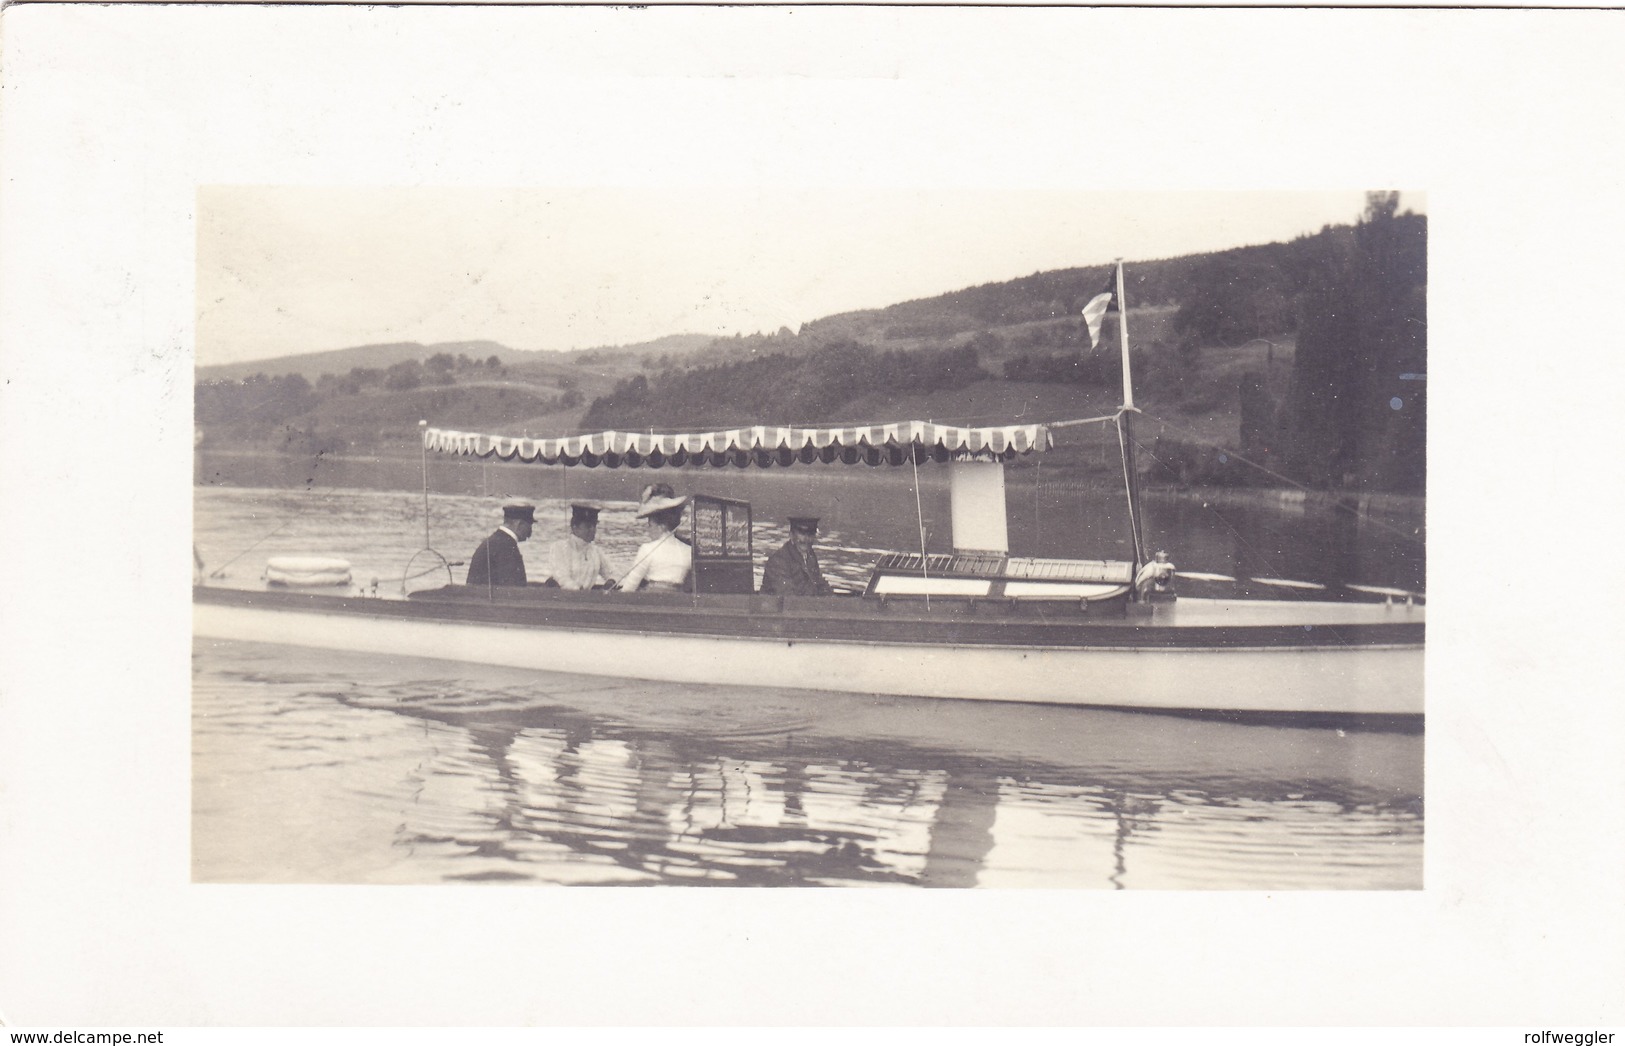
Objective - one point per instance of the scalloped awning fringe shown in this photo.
(762, 446)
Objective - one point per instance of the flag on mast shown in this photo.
(1098, 307)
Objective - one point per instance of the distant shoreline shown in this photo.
(1363, 503)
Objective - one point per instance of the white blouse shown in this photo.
(663, 561)
(577, 564)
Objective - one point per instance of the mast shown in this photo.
(423, 427)
(1125, 429)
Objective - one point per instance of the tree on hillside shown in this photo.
(829, 377)
(407, 374)
(780, 388)
(437, 369)
(1095, 369)
(986, 344)
(1258, 417)
(333, 385)
(1393, 308)
(1353, 417)
(255, 403)
(1231, 298)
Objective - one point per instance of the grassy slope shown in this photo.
(339, 362)
(313, 365)
(1182, 398)
(1203, 405)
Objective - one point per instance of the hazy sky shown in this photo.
(292, 270)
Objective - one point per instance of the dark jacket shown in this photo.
(497, 561)
(787, 574)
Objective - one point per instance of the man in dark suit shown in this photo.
(497, 561)
(793, 570)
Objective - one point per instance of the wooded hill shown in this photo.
(1307, 358)
(312, 365)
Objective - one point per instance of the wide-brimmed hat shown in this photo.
(519, 510)
(807, 524)
(658, 497)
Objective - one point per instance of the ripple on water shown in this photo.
(344, 768)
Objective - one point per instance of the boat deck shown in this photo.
(1200, 623)
(1187, 611)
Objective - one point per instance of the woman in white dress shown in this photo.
(664, 561)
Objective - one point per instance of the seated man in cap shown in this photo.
(793, 570)
(574, 561)
(497, 561)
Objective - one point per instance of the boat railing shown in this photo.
(670, 610)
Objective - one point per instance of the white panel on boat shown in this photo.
(931, 586)
(976, 500)
(1053, 589)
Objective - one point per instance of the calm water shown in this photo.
(329, 767)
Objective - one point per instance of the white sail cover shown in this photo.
(763, 446)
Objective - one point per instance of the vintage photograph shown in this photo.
(1127, 482)
(820, 538)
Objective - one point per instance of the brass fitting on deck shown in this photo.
(1155, 581)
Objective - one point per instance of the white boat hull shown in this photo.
(1307, 679)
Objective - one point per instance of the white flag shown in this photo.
(1093, 313)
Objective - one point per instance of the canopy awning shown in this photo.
(762, 446)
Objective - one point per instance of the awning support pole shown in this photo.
(423, 430)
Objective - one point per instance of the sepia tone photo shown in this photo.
(608, 537)
(1082, 470)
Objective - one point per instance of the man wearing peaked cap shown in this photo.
(497, 561)
(575, 561)
(793, 570)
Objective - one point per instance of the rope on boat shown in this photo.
(220, 571)
(444, 564)
(1278, 582)
(1276, 475)
(1083, 421)
(431, 570)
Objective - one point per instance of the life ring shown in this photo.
(307, 570)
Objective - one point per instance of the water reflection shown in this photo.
(328, 767)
